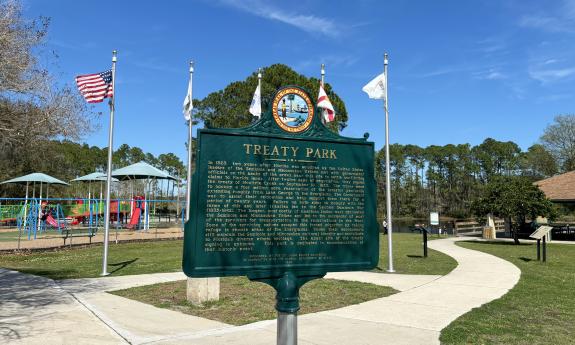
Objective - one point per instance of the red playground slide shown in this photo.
(50, 220)
(135, 218)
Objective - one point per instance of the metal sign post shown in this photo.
(544, 249)
(541, 236)
(287, 328)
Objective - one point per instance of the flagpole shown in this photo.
(189, 180)
(260, 79)
(109, 170)
(260, 88)
(322, 117)
(387, 178)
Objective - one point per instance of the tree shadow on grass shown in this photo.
(121, 265)
(499, 243)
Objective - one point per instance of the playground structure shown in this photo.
(134, 207)
(34, 218)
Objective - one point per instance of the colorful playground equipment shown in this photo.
(138, 208)
(36, 217)
(37, 213)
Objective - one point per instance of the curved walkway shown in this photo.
(416, 315)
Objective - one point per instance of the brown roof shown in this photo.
(559, 188)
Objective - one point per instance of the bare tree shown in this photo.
(18, 65)
(32, 106)
(559, 139)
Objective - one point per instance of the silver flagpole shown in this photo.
(109, 172)
(322, 81)
(260, 79)
(260, 88)
(387, 178)
(189, 180)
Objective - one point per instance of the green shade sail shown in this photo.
(141, 170)
(93, 177)
(35, 177)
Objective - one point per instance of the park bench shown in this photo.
(70, 233)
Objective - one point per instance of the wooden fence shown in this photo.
(469, 227)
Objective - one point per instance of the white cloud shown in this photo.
(492, 45)
(559, 19)
(490, 74)
(551, 75)
(330, 61)
(554, 97)
(309, 23)
(446, 70)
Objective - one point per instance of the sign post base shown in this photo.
(287, 328)
(287, 288)
(200, 290)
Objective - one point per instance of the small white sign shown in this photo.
(541, 231)
(434, 218)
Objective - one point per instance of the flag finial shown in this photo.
(114, 53)
(260, 73)
(385, 60)
(191, 66)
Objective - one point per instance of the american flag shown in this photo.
(95, 87)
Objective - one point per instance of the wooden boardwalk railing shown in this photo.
(472, 227)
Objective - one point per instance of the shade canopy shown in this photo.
(141, 170)
(95, 176)
(35, 177)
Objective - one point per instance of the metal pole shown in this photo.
(109, 170)
(25, 209)
(424, 243)
(322, 81)
(387, 177)
(287, 328)
(189, 179)
(544, 254)
(23, 224)
(538, 250)
(260, 88)
(260, 79)
(39, 211)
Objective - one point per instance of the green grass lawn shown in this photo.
(540, 309)
(242, 301)
(166, 256)
(408, 256)
(123, 259)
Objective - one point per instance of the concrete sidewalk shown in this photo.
(416, 315)
(34, 310)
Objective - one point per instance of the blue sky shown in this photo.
(459, 71)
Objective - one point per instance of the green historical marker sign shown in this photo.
(283, 200)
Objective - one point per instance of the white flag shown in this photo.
(375, 89)
(324, 103)
(188, 106)
(256, 106)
